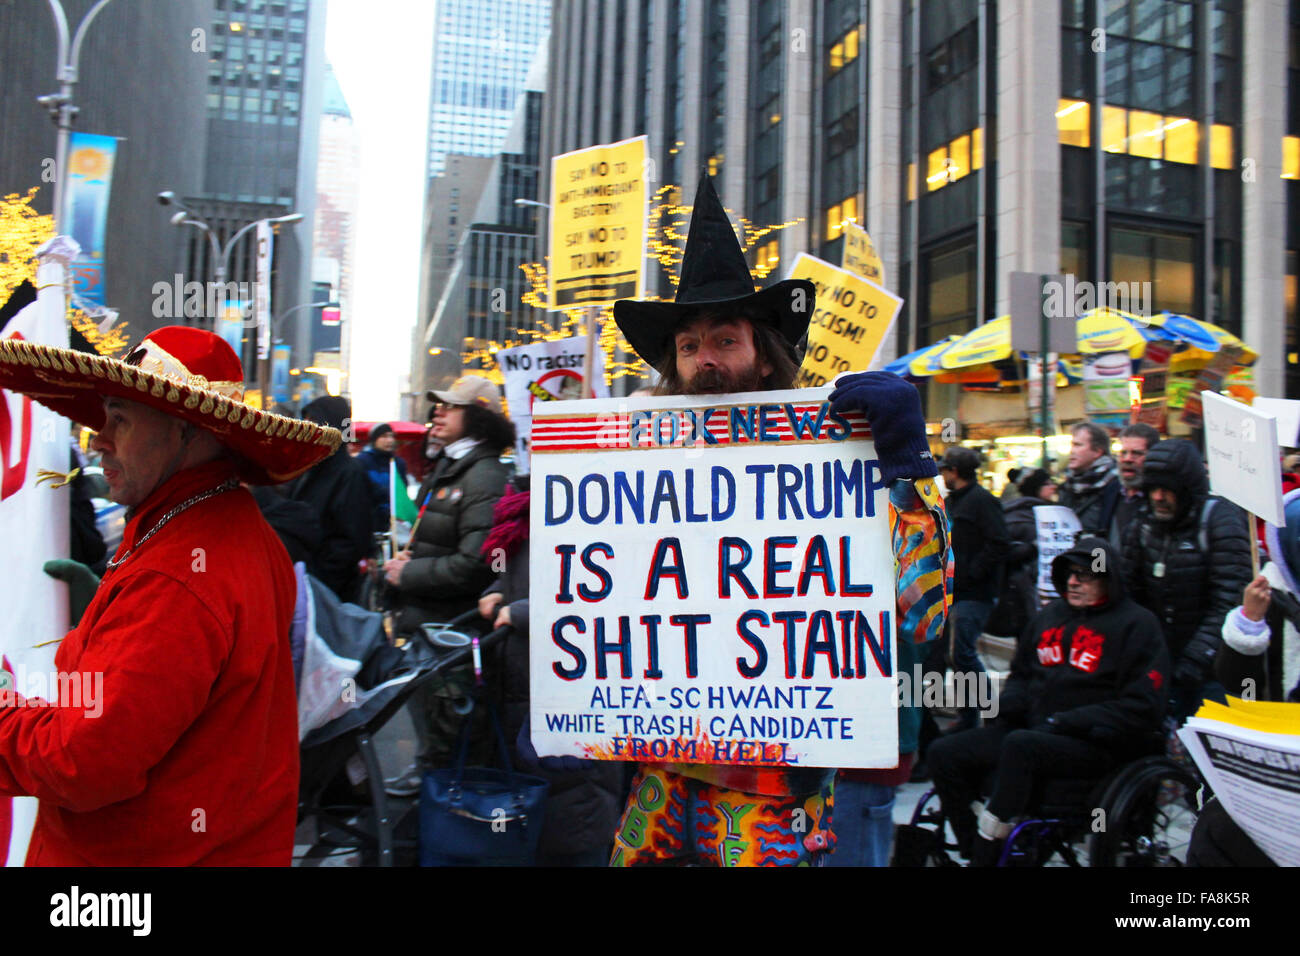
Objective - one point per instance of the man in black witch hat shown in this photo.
(720, 336)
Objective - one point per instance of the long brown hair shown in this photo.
(770, 348)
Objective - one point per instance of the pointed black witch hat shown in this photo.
(715, 278)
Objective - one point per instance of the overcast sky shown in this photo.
(380, 50)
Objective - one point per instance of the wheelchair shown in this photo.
(1140, 814)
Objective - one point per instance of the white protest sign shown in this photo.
(1241, 452)
(546, 371)
(1058, 526)
(712, 581)
(1287, 413)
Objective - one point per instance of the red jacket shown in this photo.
(191, 755)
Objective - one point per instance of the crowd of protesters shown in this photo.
(1155, 607)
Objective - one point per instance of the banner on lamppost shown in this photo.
(598, 220)
(262, 292)
(230, 323)
(85, 208)
(713, 582)
(280, 388)
(851, 317)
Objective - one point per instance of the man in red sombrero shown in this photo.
(190, 756)
(722, 336)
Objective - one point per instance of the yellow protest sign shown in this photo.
(860, 256)
(851, 317)
(598, 215)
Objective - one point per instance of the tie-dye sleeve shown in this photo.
(922, 558)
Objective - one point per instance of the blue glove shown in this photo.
(530, 762)
(893, 409)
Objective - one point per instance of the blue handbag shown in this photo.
(480, 816)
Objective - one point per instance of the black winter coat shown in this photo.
(1189, 590)
(1095, 508)
(335, 490)
(1099, 673)
(979, 543)
(1018, 601)
(447, 573)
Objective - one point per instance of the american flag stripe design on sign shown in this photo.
(612, 430)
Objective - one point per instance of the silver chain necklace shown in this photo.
(230, 484)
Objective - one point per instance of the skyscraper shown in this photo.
(266, 67)
(481, 53)
(334, 241)
(161, 136)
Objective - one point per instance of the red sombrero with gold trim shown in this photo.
(186, 372)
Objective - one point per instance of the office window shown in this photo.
(1291, 157)
(1165, 260)
(1074, 122)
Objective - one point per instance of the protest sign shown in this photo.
(1241, 453)
(860, 256)
(712, 581)
(598, 220)
(1249, 754)
(1287, 413)
(545, 372)
(851, 317)
(1058, 526)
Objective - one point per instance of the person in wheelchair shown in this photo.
(1087, 689)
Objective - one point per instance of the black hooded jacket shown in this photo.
(1099, 673)
(1189, 588)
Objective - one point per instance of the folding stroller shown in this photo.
(352, 683)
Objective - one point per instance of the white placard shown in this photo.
(1058, 527)
(1241, 450)
(712, 581)
(545, 372)
(1287, 413)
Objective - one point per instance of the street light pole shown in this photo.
(220, 253)
(60, 104)
(264, 370)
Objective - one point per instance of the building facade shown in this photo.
(338, 178)
(474, 235)
(482, 294)
(266, 78)
(482, 50)
(161, 129)
(1131, 141)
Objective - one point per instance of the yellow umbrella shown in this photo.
(1097, 331)
(1110, 330)
(990, 342)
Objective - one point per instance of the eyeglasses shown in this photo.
(1083, 575)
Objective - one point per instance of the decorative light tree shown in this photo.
(22, 231)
